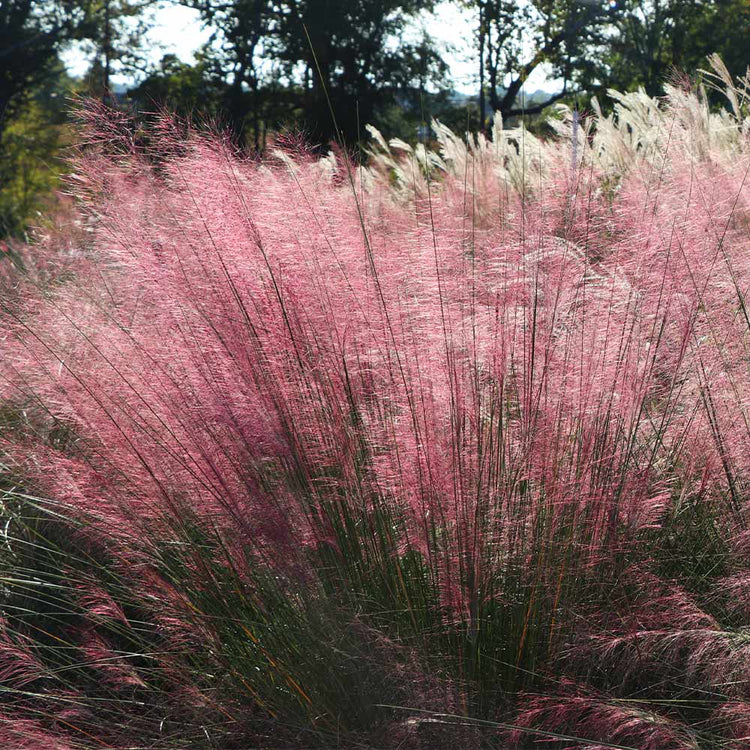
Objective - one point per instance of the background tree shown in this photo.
(31, 34)
(652, 38)
(243, 52)
(353, 52)
(724, 27)
(30, 151)
(113, 31)
(33, 85)
(514, 38)
(188, 90)
(349, 54)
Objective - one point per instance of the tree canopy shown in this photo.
(31, 33)
(349, 57)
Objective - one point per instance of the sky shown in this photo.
(178, 30)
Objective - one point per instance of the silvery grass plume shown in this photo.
(448, 448)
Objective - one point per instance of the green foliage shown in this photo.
(325, 55)
(112, 33)
(651, 41)
(31, 34)
(513, 39)
(188, 90)
(31, 158)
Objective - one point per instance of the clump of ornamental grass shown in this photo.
(450, 448)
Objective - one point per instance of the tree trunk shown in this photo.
(482, 102)
(107, 51)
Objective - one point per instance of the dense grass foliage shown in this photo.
(448, 449)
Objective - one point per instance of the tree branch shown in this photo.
(537, 108)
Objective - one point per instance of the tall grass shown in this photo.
(450, 448)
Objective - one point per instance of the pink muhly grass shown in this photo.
(27, 734)
(308, 419)
(20, 666)
(733, 720)
(595, 719)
